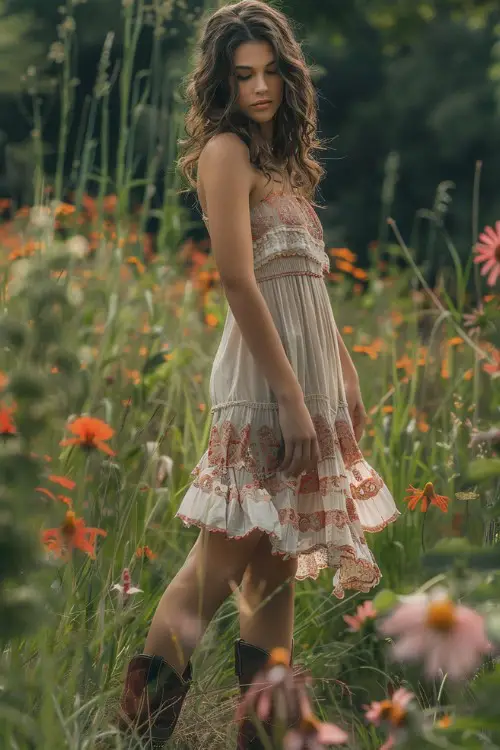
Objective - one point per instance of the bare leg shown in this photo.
(268, 624)
(196, 593)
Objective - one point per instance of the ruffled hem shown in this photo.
(319, 518)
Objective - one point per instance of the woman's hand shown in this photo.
(357, 410)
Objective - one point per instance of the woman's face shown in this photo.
(256, 78)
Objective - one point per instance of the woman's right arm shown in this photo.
(226, 174)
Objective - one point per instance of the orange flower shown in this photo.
(72, 534)
(145, 552)
(428, 494)
(63, 481)
(211, 320)
(62, 498)
(90, 433)
(7, 426)
(494, 369)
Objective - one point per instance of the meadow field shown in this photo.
(105, 359)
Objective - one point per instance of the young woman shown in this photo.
(283, 490)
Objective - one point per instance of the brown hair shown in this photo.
(211, 101)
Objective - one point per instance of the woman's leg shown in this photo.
(267, 606)
(196, 593)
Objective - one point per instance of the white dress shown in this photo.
(321, 516)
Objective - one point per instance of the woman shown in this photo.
(283, 490)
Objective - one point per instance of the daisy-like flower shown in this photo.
(391, 713)
(487, 251)
(447, 637)
(312, 734)
(72, 534)
(125, 587)
(90, 434)
(426, 496)
(364, 613)
(275, 692)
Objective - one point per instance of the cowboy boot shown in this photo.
(152, 698)
(249, 660)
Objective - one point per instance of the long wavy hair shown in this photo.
(212, 103)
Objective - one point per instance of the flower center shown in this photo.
(497, 253)
(393, 712)
(441, 615)
(69, 526)
(279, 656)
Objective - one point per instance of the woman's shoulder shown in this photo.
(227, 145)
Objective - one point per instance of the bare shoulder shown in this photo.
(224, 147)
(224, 158)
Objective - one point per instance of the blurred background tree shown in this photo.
(406, 86)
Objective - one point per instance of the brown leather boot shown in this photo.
(152, 699)
(248, 661)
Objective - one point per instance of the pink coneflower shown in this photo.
(448, 637)
(364, 612)
(392, 713)
(275, 691)
(313, 734)
(488, 252)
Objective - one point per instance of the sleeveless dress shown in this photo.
(319, 517)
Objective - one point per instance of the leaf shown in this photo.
(384, 601)
(483, 469)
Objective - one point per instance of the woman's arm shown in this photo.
(348, 369)
(225, 172)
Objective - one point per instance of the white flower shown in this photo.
(41, 217)
(78, 246)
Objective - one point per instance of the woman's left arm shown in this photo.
(357, 410)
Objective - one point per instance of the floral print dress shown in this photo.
(320, 517)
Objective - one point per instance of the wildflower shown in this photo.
(444, 722)
(68, 484)
(489, 436)
(62, 498)
(476, 320)
(145, 552)
(275, 691)
(125, 587)
(72, 534)
(7, 426)
(90, 433)
(312, 734)
(488, 252)
(364, 612)
(427, 495)
(133, 261)
(449, 637)
(78, 246)
(41, 217)
(494, 369)
(392, 713)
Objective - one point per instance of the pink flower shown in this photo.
(312, 734)
(275, 691)
(475, 320)
(448, 637)
(488, 252)
(364, 612)
(391, 713)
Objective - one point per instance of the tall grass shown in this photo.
(89, 328)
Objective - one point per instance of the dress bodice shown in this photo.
(287, 227)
